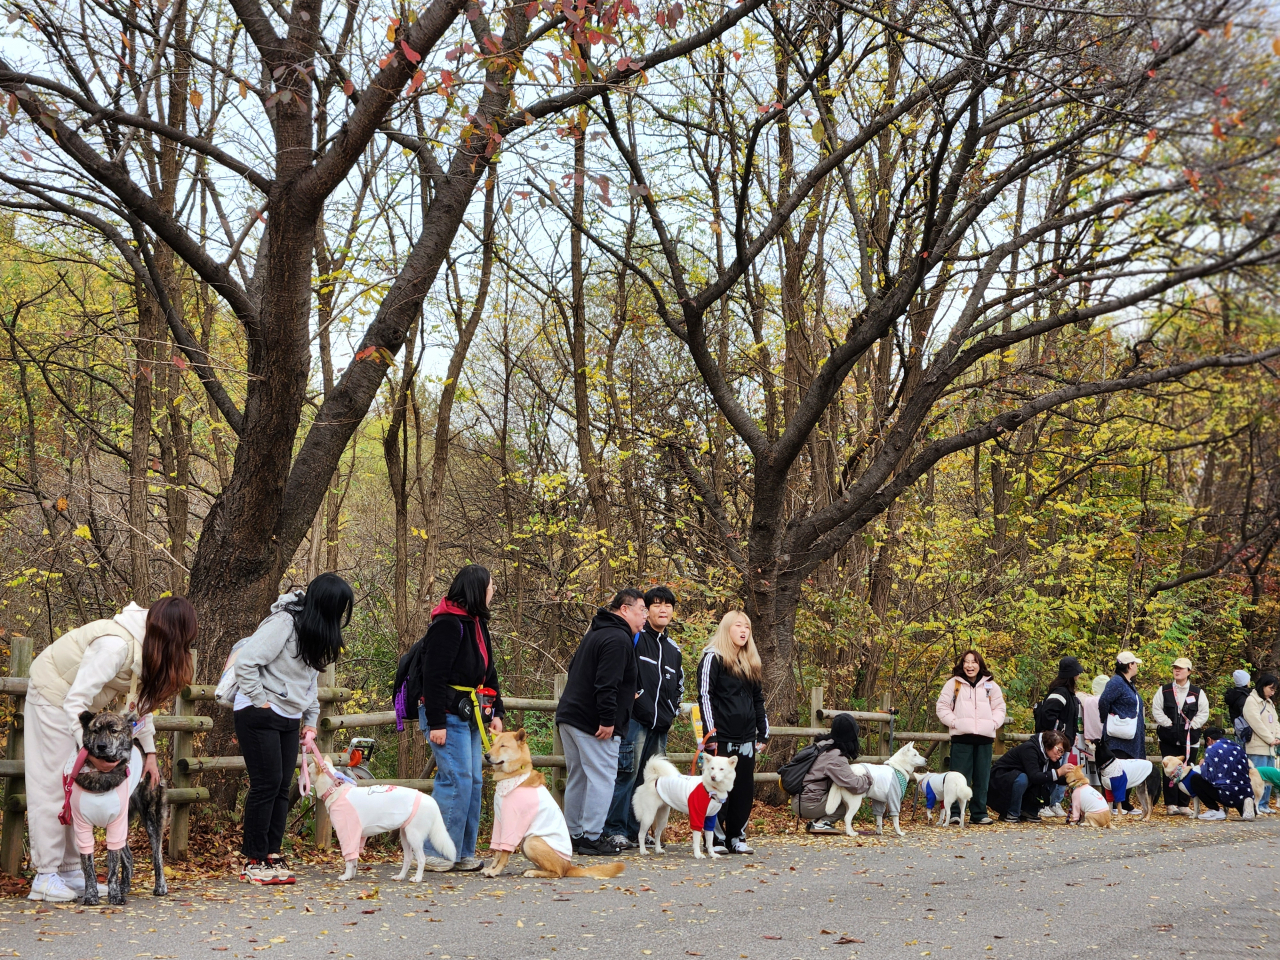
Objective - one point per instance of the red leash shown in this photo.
(68, 780)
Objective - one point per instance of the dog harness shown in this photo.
(690, 795)
(109, 810)
(527, 812)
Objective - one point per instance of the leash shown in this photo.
(478, 712)
(68, 780)
(702, 748)
(304, 778)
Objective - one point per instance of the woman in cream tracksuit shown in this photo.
(140, 658)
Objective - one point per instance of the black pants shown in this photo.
(737, 809)
(1208, 793)
(269, 745)
(1174, 747)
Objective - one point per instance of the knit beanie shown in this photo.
(1241, 678)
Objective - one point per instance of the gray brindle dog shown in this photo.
(109, 737)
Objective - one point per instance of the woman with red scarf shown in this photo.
(459, 678)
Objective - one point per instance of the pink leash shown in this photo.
(304, 778)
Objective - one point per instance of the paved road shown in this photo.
(1167, 889)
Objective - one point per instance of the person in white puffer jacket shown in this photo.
(137, 659)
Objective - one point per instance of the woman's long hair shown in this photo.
(958, 669)
(742, 662)
(166, 651)
(470, 589)
(1064, 681)
(318, 619)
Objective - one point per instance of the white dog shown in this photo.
(888, 786)
(665, 788)
(941, 790)
(358, 813)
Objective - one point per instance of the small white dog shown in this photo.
(358, 813)
(888, 786)
(942, 790)
(666, 788)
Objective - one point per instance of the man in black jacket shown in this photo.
(594, 708)
(659, 685)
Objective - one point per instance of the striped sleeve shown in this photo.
(707, 673)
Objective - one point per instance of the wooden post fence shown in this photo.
(180, 824)
(324, 740)
(15, 787)
(557, 746)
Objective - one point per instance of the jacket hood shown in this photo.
(1099, 684)
(448, 606)
(293, 596)
(607, 619)
(134, 619)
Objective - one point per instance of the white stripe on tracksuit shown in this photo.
(704, 694)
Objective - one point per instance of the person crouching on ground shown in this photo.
(831, 765)
(1223, 780)
(457, 661)
(731, 698)
(594, 708)
(971, 706)
(1025, 774)
(660, 685)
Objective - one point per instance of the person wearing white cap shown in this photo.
(1180, 709)
(1120, 708)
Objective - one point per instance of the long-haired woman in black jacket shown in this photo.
(457, 659)
(731, 699)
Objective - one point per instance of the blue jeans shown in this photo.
(1263, 760)
(459, 779)
(1016, 791)
(638, 744)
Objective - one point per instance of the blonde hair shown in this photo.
(744, 661)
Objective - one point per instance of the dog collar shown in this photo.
(337, 785)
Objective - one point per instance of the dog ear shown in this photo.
(733, 762)
(131, 718)
(520, 735)
(86, 717)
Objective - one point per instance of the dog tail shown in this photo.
(659, 767)
(438, 834)
(602, 871)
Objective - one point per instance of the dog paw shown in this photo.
(489, 872)
(91, 901)
(161, 890)
(699, 855)
(530, 873)
(117, 901)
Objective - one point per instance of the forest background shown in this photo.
(548, 418)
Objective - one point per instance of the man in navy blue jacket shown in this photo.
(659, 686)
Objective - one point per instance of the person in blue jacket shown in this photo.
(1121, 701)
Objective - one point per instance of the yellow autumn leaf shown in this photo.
(196, 99)
(391, 31)
(244, 90)
(82, 532)
(818, 132)
(1275, 46)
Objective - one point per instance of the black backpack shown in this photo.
(792, 773)
(409, 676)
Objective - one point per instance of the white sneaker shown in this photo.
(1214, 815)
(738, 845)
(1047, 812)
(51, 888)
(74, 879)
(1248, 812)
(438, 864)
(1058, 811)
(1263, 809)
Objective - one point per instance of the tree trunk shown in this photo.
(150, 326)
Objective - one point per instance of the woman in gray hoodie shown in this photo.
(277, 672)
(831, 766)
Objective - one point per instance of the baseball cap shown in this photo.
(1127, 656)
(1184, 663)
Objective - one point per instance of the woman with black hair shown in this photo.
(457, 665)
(277, 677)
(831, 765)
(971, 706)
(1060, 710)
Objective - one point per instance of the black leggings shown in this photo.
(737, 809)
(1208, 793)
(269, 745)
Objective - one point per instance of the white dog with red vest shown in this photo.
(665, 789)
(358, 813)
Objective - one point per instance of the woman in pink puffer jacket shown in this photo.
(971, 705)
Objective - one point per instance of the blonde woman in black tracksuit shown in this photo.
(731, 699)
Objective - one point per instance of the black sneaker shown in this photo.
(599, 847)
(1029, 818)
(576, 842)
(1005, 818)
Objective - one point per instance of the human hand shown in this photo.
(151, 769)
(308, 733)
(437, 737)
(760, 746)
(605, 733)
(495, 725)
